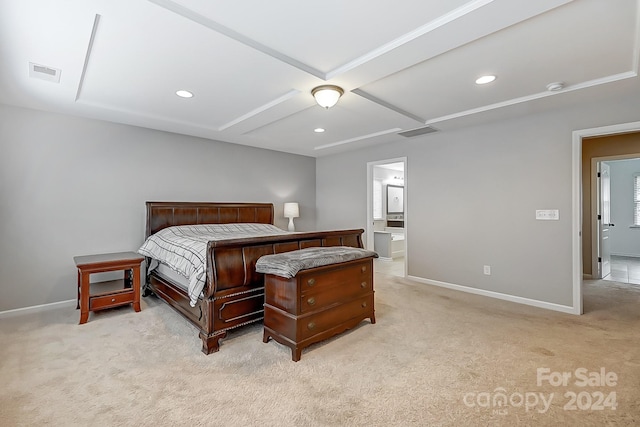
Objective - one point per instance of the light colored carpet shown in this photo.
(430, 350)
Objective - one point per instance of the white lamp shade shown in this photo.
(291, 210)
(327, 96)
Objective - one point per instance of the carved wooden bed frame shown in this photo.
(233, 295)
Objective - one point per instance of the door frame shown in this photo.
(369, 227)
(595, 200)
(576, 201)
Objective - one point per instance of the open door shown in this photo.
(604, 220)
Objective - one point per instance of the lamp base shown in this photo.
(291, 226)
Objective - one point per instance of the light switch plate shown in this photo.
(548, 214)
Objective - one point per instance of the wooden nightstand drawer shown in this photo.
(110, 300)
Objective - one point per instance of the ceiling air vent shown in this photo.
(417, 132)
(43, 72)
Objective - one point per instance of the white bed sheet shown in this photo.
(174, 276)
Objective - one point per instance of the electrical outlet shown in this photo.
(487, 270)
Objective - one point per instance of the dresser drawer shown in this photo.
(110, 300)
(326, 278)
(326, 296)
(317, 323)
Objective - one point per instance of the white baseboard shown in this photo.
(37, 308)
(498, 295)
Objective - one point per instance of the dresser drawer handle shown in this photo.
(311, 301)
(363, 268)
(363, 305)
(113, 300)
(363, 284)
(311, 282)
(311, 325)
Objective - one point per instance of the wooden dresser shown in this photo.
(318, 303)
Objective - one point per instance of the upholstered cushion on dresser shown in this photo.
(288, 264)
(318, 303)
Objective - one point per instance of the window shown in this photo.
(636, 199)
(377, 199)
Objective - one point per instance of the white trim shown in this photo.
(357, 138)
(539, 95)
(596, 272)
(576, 223)
(191, 15)
(497, 295)
(287, 96)
(92, 39)
(636, 193)
(439, 22)
(595, 207)
(37, 308)
(576, 199)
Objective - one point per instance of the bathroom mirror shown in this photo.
(395, 199)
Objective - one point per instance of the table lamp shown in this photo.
(291, 210)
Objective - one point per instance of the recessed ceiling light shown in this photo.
(483, 80)
(554, 87)
(184, 94)
(318, 130)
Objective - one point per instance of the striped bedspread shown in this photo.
(183, 248)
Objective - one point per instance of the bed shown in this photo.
(233, 292)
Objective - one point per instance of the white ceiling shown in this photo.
(252, 64)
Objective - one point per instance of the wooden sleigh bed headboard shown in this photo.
(166, 214)
(234, 292)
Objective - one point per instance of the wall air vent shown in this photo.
(43, 72)
(417, 132)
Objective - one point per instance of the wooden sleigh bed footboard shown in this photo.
(233, 295)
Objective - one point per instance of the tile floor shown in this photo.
(391, 268)
(624, 270)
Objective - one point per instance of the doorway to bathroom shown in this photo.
(387, 219)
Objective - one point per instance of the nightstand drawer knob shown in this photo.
(311, 301)
(113, 300)
(364, 305)
(311, 282)
(311, 325)
(363, 284)
(363, 269)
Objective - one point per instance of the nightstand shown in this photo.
(129, 262)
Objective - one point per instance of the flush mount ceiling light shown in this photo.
(184, 94)
(327, 96)
(318, 130)
(483, 80)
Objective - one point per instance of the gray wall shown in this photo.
(624, 240)
(71, 186)
(472, 195)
